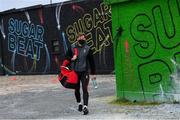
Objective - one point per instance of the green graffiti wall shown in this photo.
(147, 49)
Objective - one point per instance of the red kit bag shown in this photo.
(68, 78)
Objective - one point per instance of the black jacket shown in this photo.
(84, 58)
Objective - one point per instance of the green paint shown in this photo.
(115, 1)
(147, 54)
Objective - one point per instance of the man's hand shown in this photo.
(92, 77)
(74, 57)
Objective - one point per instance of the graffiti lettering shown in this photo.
(101, 39)
(141, 29)
(88, 24)
(70, 31)
(166, 25)
(97, 18)
(25, 38)
(153, 77)
(26, 30)
(106, 11)
(98, 21)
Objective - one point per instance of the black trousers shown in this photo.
(83, 77)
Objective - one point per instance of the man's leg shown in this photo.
(85, 82)
(78, 95)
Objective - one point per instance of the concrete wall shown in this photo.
(147, 49)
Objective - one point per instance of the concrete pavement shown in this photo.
(43, 97)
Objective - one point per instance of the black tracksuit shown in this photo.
(81, 66)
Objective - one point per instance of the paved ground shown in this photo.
(42, 97)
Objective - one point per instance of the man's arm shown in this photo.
(91, 62)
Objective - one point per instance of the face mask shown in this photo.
(81, 42)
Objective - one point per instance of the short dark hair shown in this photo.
(80, 34)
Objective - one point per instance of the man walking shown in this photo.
(82, 54)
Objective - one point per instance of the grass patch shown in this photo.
(176, 102)
(128, 102)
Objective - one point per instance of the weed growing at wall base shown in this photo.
(124, 101)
